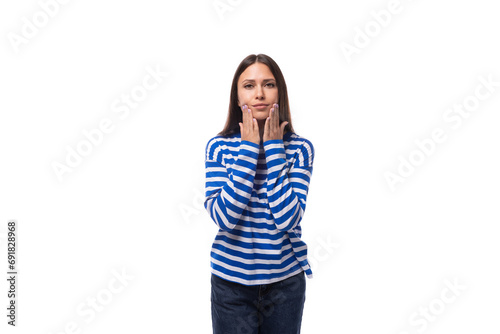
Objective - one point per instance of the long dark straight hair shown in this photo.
(234, 116)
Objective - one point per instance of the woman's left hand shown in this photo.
(272, 127)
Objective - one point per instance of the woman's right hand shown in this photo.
(249, 129)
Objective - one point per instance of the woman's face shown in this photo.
(257, 86)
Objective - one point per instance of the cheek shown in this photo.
(243, 99)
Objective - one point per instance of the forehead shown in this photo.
(257, 72)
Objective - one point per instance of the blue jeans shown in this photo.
(274, 308)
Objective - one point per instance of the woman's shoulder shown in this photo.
(293, 140)
(218, 143)
(221, 140)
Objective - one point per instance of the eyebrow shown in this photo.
(252, 80)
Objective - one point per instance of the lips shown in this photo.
(260, 106)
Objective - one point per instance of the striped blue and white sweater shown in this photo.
(256, 195)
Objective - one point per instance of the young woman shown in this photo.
(257, 179)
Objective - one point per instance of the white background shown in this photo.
(134, 204)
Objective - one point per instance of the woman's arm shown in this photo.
(227, 195)
(287, 187)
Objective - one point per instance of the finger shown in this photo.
(267, 126)
(251, 120)
(275, 122)
(248, 113)
(271, 118)
(277, 115)
(283, 125)
(248, 118)
(255, 125)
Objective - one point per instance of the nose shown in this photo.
(260, 93)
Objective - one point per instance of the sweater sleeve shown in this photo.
(287, 182)
(227, 192)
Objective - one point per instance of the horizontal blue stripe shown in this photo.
(252, 245)
(253, 266)
(253, 277)
(257, 235)
(248, 256)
